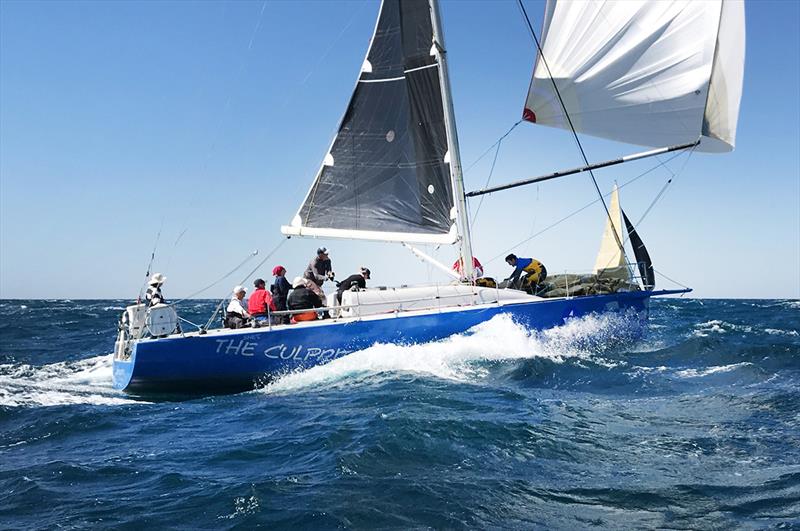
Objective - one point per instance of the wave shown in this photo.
(699, 373)
(86, 381)
(777, 332)
(468, 357)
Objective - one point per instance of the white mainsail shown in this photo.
(642, 72)
(611, 257)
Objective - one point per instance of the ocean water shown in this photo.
(694, 425)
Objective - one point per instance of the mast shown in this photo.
(456, 176)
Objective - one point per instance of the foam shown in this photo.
(778, 332)
(466, 357)
(716, 326)
(85, 381)
(699, 373)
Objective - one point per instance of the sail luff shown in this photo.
(386, 170)
(456, 175)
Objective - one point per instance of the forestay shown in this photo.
(386, 176)
(642, 72)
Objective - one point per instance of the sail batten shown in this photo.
(386, 172)
(648, 73)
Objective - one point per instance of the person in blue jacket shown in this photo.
(534, 270)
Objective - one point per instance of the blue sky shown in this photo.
(207, 121)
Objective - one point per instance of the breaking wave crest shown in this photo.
(86, 381)
(468, 357)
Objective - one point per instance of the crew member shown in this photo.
(301, 298)
(236, 315)
(260, 303)
(280, 290)
(153, 294)
(353, 283)
(476, 267)
(534, 270)
(319, 269)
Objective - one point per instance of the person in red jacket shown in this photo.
(260, 303)
(476, 267)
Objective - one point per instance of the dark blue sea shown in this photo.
(694, 425)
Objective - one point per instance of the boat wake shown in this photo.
(86, 381)
(469, 357)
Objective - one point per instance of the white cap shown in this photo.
(156, 279)
(239, 289)
(298, 281)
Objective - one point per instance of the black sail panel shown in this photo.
(642, 256)
(386, 170)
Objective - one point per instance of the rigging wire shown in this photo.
(666, 184)
(152, 258)
(175, 246)
(226, 275)
(491, 170)
(670, 279)
(674, 175)
(574, 213)
(476, 161)
(245, 279)
(569, 119)
(489, 178)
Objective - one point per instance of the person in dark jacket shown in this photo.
(319, 269)
(353, 282)
(301, 298)
(280, 291)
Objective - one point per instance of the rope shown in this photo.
(245, 279)
(492, 146)
(526, 240)
(569, 120)
(666, 184)
(658, 196)
(671, 280)
(489, 178)
(152, 258)
(229, 273)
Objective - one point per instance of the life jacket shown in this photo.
(536, 272)
(307, 316)
(259, 301)
(486, 282)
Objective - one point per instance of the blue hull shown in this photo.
(234, 360)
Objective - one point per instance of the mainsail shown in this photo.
(387, 175)
(642, 72)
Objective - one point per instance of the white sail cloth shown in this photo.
(611, 255)
(654, 73)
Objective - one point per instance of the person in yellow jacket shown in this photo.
(534, 270)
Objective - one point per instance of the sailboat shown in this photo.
(667, 75)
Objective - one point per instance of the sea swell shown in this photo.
(592, 424)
